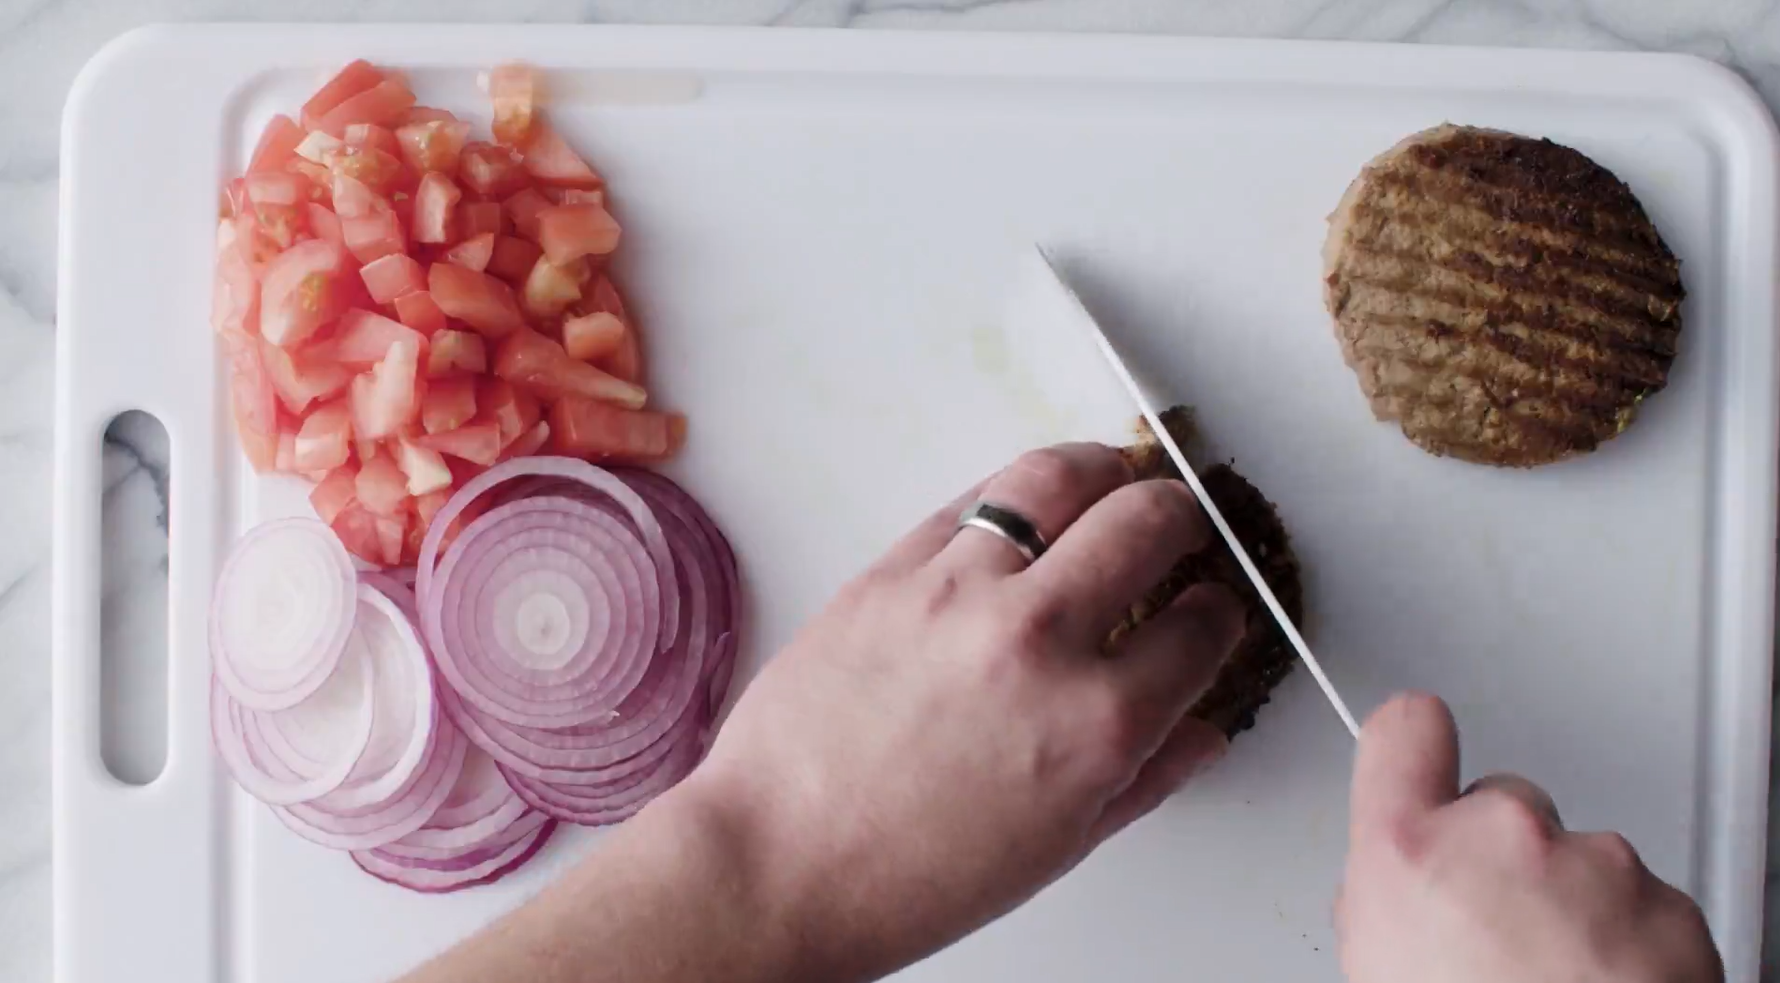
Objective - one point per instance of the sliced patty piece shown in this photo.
(1505, 300)
(1263, 657)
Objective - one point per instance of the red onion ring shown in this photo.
(281, 613)
(470, 871)
(388, 821)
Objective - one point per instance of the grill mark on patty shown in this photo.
(1566, 321)
(1398, 219)
(1537, 437)
(1545, 228)
(1581, 193)
(1585, 391)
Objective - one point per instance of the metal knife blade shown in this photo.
(1082, 316)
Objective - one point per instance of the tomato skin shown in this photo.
(456, 353)
(304, 289)
(324, 224)
(528, 443)
(449, 404)
(473, 253)
(550, 160)
(419, 311)
(253, 400)
(374, 236)
(366, 338)
(385, 103)
(489, 170)
(235, 296)
(358, 76)
(478, 443)
(324, 442)
(512, 412)
(381, 486)
(533, 362)
(379, 171)
(373, 136)
(513, 259)
(592, 336)
(569, 232)
(597, 431)
(277, 144)
(477, 299)
(523, 209)
(389, 277)
(476, 217)
(513, 89)
(433, 205)
(352, 199)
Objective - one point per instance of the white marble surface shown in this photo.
(44, 42)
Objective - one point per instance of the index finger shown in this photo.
(1407, 765)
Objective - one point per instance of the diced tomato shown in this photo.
(324, 442)
(373, 136)
(402, 204)
(355, 78)
(489, 170)
(433, 145)
(428, 114)
(384, 104)
(389, 277)
(476, 442)
(366, 338)
(381, 486)
(279, 225)
(304, 289)
(373, 236)
(335, 492)
(301, 381)
(418, 311)
(456, 353)
(592, 336)
(386, 399)
(523, 210)
(627, 362)
(278, 187)
(578, 196)
(253, 242)
(594, 430)
(531, 361)
(449, 404)
(357, 528)
(392, 538)
(382, 173)
(366, 449)
(278, 141)
(424, 468)
(254, 402)
(324, 224)
(528, 443)
(603, 296)
(512, 411)
(235, 297)
(318, 146)
(352, 199)
(513, 88)
(286, 458)
(550, 160)
(476, 217)
(428, 505)
(550, 289)
(568, 232)
(477, 299)
(321, 180)
(513, 259)
(433, 205)
(472, 253)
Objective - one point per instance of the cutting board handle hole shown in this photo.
(133, 678)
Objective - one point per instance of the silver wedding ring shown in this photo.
(1006, 523)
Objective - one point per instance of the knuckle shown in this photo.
(1033, 625)
(1515, 822)
(937, 593)
(1159, 505)
(1046, 468)
(1113, 739)
(1616, 852)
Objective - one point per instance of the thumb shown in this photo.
(1407, 765)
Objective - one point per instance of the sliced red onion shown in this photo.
(373, 826)
(281, 613)
(515, 761)
(594, 479)
(482, 867)
(405, 712)
(595, 805)
(480, 808)
(327, 734)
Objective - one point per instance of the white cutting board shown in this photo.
(821, 232)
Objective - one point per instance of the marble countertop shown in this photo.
(43, 44)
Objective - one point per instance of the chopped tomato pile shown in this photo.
(402, 307)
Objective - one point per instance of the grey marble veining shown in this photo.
(43, 43)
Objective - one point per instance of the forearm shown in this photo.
(680, 893)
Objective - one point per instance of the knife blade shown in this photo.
(1081, 316)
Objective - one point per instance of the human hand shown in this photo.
(1488, 886)
(950, 735)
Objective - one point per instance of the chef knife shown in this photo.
(1079, 315)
